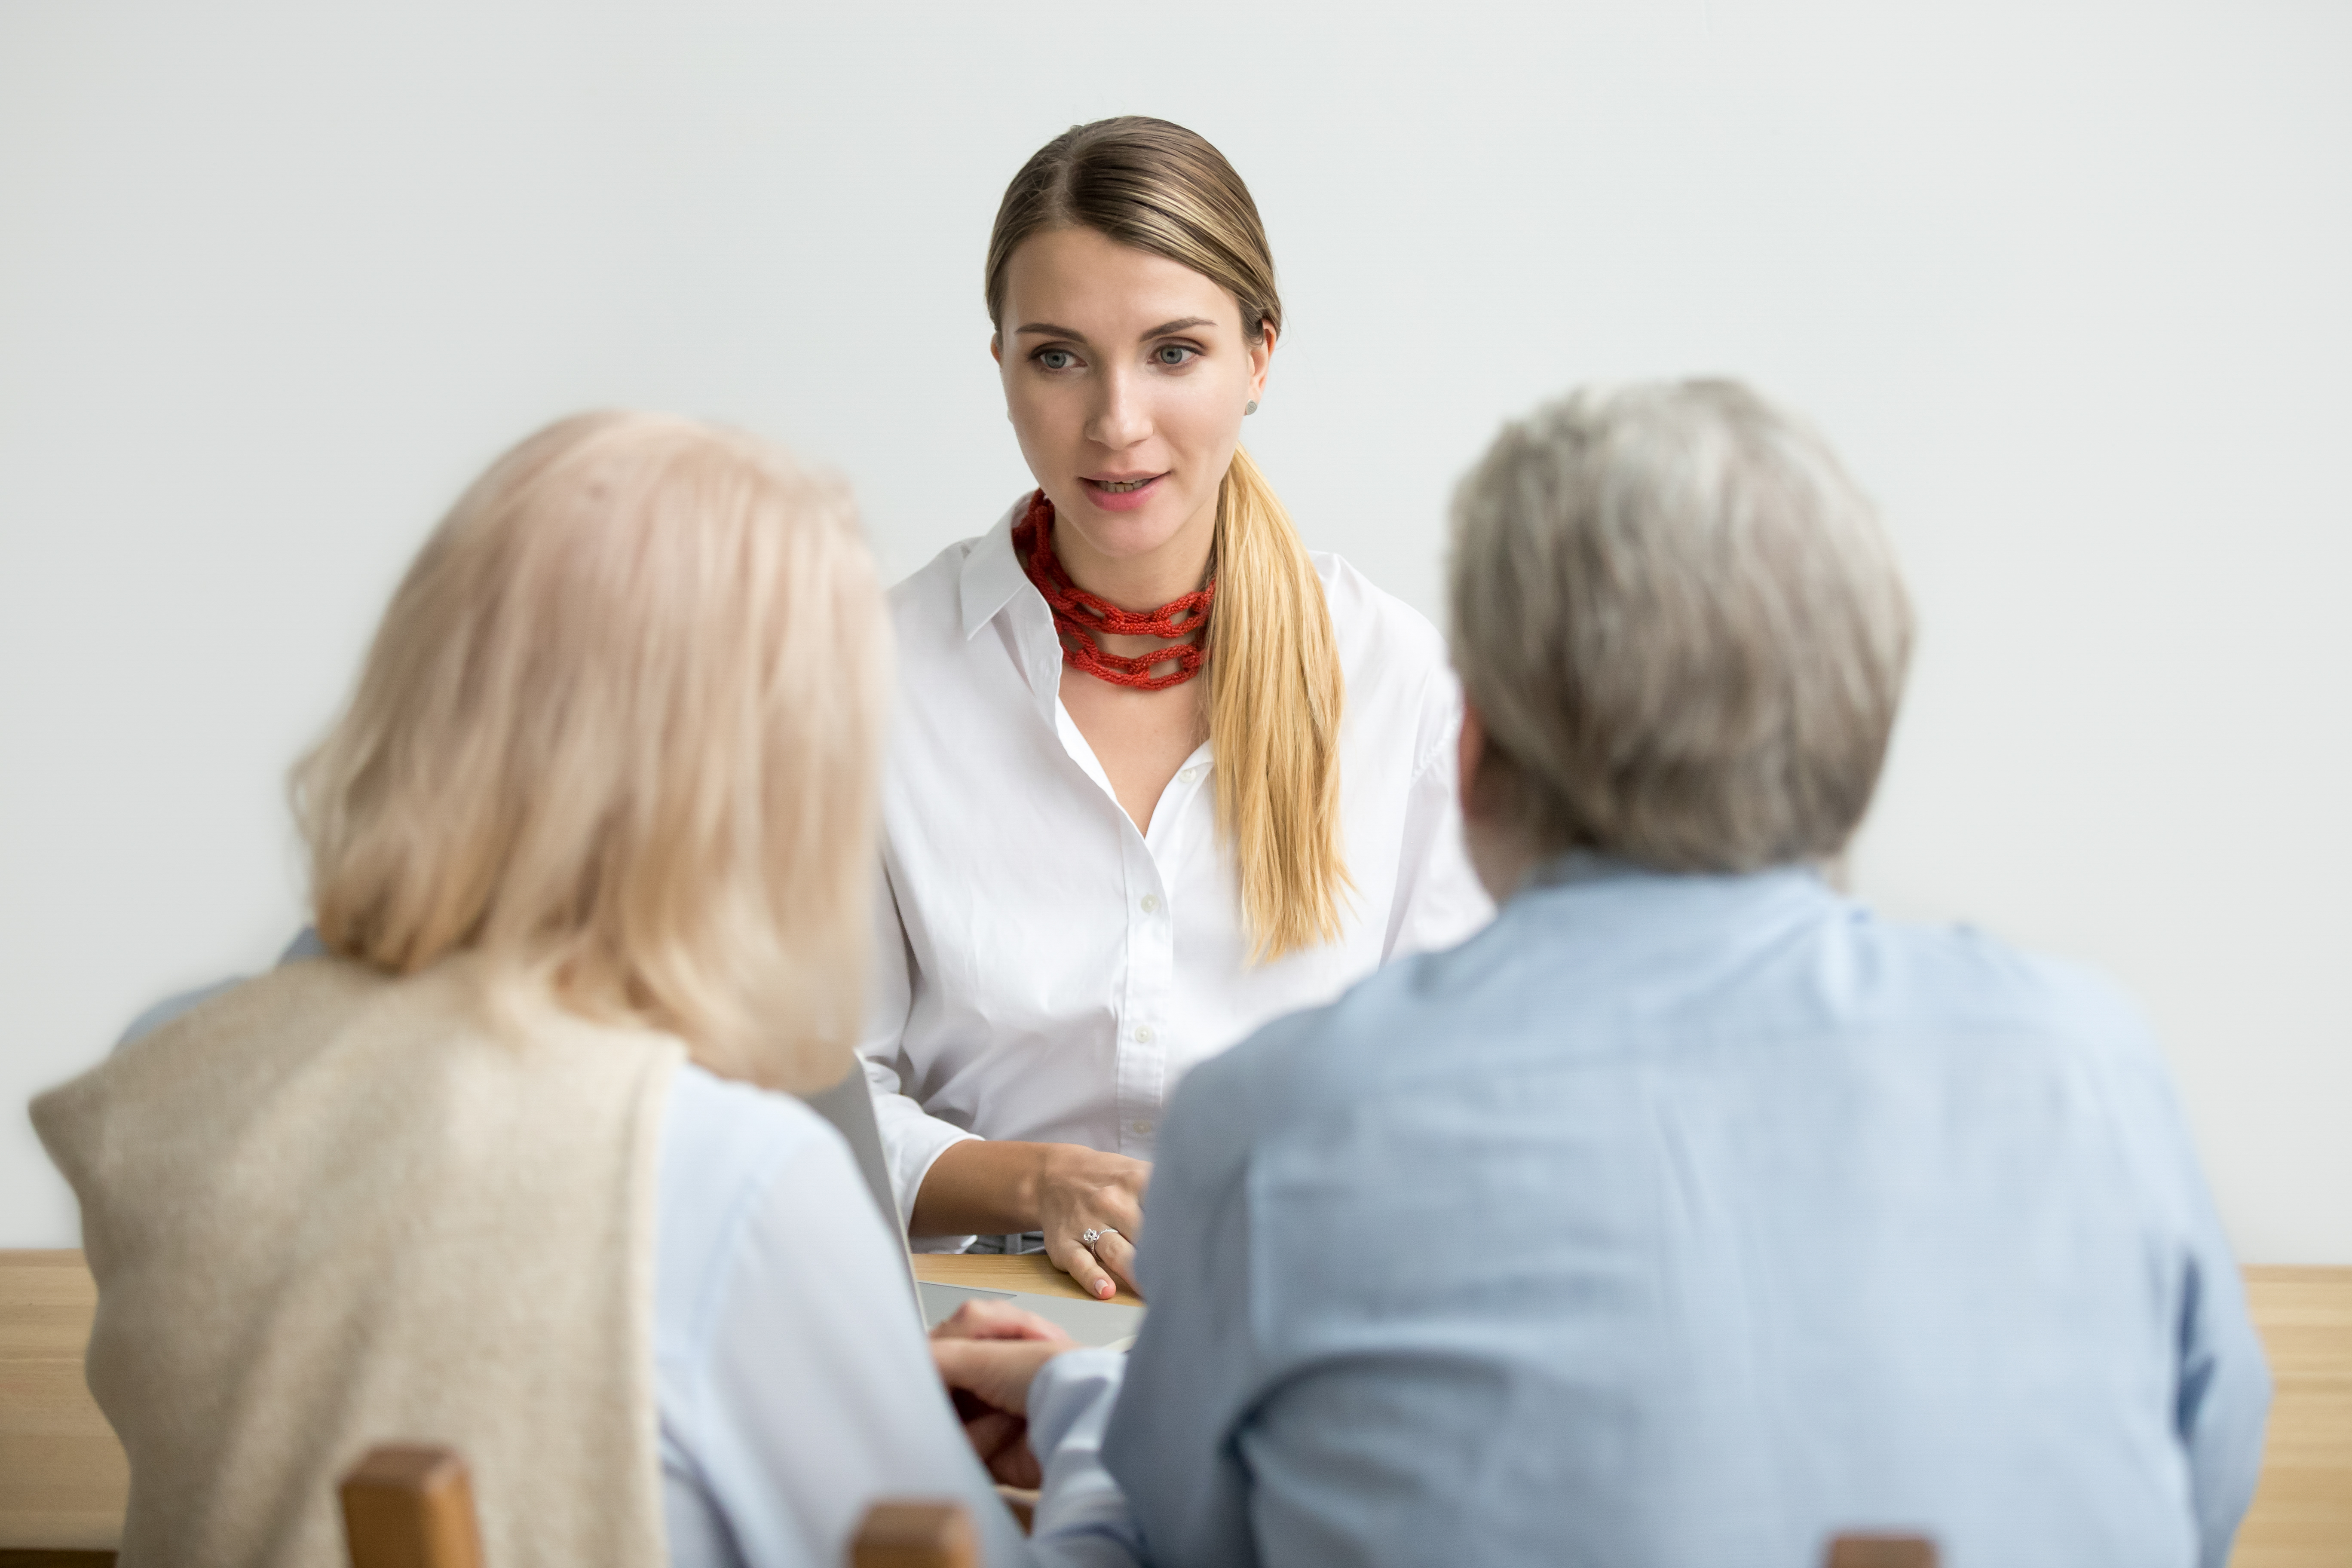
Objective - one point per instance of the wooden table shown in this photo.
(2302, 1516)
(63, 1479)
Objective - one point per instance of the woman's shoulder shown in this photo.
(1371, 623)
(933, 598)
(1400, 679)
(931, 589)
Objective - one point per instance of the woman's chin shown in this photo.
(1125, 532)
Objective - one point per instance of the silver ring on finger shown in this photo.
(1091, 1236)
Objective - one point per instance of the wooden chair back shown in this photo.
(940, 1535)
(412, 1506)
(915, 1535)
(1881, 1552)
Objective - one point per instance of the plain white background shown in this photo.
(2069, 284)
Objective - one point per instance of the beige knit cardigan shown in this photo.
(331, 1208)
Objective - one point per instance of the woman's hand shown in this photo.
(986, 1353)
(1085, 1189)
(1062, 1189)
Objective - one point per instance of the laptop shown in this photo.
(1106, 1323)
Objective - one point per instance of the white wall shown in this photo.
(2070, 284)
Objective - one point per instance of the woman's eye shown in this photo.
(1175, 353)
(1056, 359)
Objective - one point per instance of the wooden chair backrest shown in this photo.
(1881, 1551)
(940, 1535)
(412, 1506)
(915, 1535)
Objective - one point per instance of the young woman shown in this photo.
(589, 856)
(1158, 774)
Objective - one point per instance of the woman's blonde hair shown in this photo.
(619, 734)
(1273, 679)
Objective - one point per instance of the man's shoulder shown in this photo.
(1320, 1061)
(1523, 980)
(1978, 982)
(1216, 1113)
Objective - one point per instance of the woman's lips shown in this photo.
(1121, 499)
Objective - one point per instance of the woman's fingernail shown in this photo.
(1103, 1289)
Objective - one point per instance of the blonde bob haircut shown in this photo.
(1273, 679)
(619, 735)
(1682, 628)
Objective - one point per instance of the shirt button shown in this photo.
(1189, 774)
(1151, 902)
(1139, 1127)
(1143, 1034)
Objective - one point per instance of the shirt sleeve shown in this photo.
(2222, 1383)
(1082, 1515)
(912, 1139)
(797, 1388)
(2222, 1402)
(1439, 899)
(1194, 1372)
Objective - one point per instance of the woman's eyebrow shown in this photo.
(1048, 330)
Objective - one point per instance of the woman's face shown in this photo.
(1126, 375)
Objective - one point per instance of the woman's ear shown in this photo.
(1261, 360)
(996, 347)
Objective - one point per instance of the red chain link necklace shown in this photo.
(1079, 615)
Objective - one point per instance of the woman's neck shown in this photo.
(1141, 583)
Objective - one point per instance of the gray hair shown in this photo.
(1682, 627)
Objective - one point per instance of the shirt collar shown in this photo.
(992, 584)
(1586, 866)
(992, 573)
(1581, 868)
(1579, 865)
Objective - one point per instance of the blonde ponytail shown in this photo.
(1275, 696)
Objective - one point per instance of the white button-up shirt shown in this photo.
(1044, 971)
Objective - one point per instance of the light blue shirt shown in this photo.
(791, 1374)
(1689, 1221)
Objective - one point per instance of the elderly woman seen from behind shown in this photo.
(1690, 1214)
(499, 1167)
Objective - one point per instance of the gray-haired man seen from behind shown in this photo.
(1690, 1214)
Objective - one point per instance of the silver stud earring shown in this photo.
(1251, 407)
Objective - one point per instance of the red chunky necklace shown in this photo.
(1079, 614)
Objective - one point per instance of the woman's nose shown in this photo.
(1122, 418)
